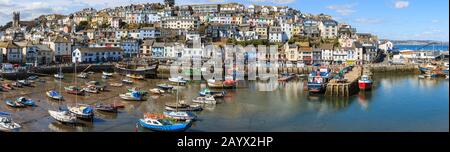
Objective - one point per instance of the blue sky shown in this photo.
(391, 19)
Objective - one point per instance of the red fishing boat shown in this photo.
(365, 83)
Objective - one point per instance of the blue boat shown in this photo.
(165, 86)
(160, 123)
(54, 95)
(318, 80)
(215, 94)
(25, 101)
(14, 104)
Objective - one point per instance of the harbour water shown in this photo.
(397, 102)
(421, 47)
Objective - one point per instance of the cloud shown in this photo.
(344, 10)
(400, 4)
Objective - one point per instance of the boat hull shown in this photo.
(365, 85)
(316, 88)
(169, 128)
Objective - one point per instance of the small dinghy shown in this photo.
(14, 104)
(25, 101)
(7, 86)
(63, 115)
(178, 80)
(90, 89)
(132, 96)
(74, 90)
(54, 95)
(180, 115)
(127, 81)
(16, 84)
(59, 76)
(7, 124)
(165, 86)
(157, 122)
(215, 94)
(82, 75)
(106, 107)
(107, 74)
(182, 107)
(116, 84)
(135, 76)
(82, 111)
(138, 90)
(97, 85)
(24, 82)
(156, 91)
(208, 99)
(33, 77)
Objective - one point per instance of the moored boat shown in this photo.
(107, 74)
(63, 115)
(161, 123)
(82, 75)
(365, 83)
(7, 123)
(134, 89)
(127, 81)
(178, 80)
(106, 107)
(82, 111)
(16, 84)
(74, 90)
(182, 107)
(165, 86)
(54, 95)
(90, 89)
(215, 94)
(180, 115)
(135, 76)
(7, 86)
(97, 85)
(208, 99)
(59, 76)
(14, 104)
(156, 91)
(25, 101)
(132, 96)
(318, 80)
(24, 82)
(116, 84)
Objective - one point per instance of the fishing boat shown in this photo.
(16, 84)
(106, 107)
(135, 76)
(82, 75)
(365, 83)
(97, 85)
(208, 99)
(33, 77)
(7, 86)
(54, 95)
(74, 90)
(59, 76)
(221, 84)
(286, 77)
(7, 124)
(134, 89)
(127, 81)
(82, 111)
(156, 91)
(24, 82)
(180, 115)
(182, 107)
(178, 80)
(25, 101)
(107, 74)
(14, 104)
(133, 96)
(63, 115)
(90, 89)
(165, 86)
(215, 94)
(318, 80)
(161, 123)
(116, 84)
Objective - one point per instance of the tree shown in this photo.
(83, 25)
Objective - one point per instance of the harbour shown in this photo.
(397, 102)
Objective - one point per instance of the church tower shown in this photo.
(16, 19)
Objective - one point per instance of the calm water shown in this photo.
(397, 103)
(420, 47)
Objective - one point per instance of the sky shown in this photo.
(389, 19)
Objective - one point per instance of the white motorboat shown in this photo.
(59, 76)
(107, 74)
(180, 115)
(209, 99)
(82, 111)
(82, 75)
(63, 116)
(178, 80)
(7, 124)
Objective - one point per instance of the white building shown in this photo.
(61, 48)
(328, 29)
(97, 55)
(180, 22)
